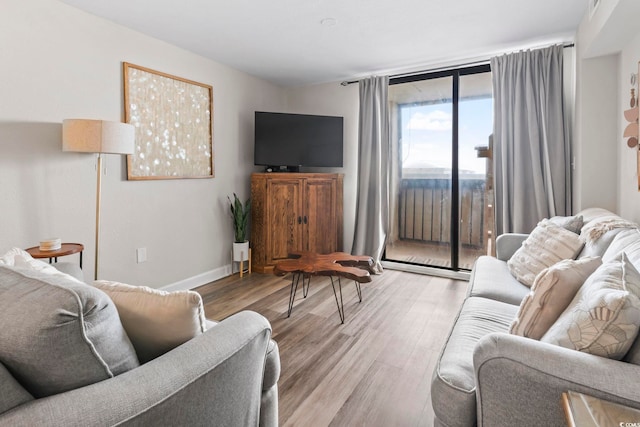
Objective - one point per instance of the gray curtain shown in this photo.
(372, 208)
(532, 153)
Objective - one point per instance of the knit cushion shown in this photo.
(156, 321)
(547, 244)
(551, 293)
(57, 333)
(604, 317)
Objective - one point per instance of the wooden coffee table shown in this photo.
(337, 264)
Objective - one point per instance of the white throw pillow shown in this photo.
(156, 321)
(551, 293)
(604, 317)
(18, 258)
(547, 244)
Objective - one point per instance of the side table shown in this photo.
(582, 410)
(65, 249)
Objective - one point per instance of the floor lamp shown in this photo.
(100, 137)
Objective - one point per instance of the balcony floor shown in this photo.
(432, 254)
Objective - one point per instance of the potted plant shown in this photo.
(240, 215)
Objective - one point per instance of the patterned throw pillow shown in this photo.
(551, 293)
(156, 321)
(604, 317)
(547, 244)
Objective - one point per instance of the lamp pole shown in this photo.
(98, 197)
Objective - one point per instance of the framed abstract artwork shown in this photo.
(172, 117)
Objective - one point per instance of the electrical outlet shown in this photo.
(141, 255)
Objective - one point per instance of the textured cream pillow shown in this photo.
(156, 321)
(547, 244)
(604, 317)
(551, 293)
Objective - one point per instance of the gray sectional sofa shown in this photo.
(225, 376)
(488, 377)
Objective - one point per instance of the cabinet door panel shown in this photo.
(320, 210)
(285, 207)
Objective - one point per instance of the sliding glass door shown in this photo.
(441, 124)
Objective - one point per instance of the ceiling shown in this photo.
(301, 42)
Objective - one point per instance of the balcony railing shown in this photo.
(425, 211)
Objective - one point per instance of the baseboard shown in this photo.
(200, 279)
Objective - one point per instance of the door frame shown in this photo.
(455, 74)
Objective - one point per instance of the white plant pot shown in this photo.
(241, 251)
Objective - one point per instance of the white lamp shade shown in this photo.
(97, 136)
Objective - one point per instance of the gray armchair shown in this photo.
(226, 376)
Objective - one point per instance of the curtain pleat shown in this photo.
(372, 207)
(532, 153)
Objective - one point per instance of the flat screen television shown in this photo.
(295, 140)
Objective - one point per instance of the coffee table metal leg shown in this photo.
(339, 304)
(358, 290)
(295, 279)
(305, 289)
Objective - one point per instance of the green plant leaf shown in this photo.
(240, 215)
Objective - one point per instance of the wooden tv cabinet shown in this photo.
(294, 212)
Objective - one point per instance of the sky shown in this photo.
(426, 134)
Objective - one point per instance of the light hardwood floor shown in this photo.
(375, 370)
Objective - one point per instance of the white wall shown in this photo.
(59, 62)
(332, 99)
(595, 144)
(608, 52)
(629, 196)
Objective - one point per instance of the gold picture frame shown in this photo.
(173, 125)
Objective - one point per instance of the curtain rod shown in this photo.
(434, 70)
